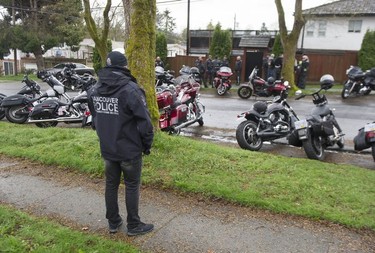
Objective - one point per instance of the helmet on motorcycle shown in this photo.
(159, 71)
(270, 80)
(260, 106)
(326, 82)
(185, 70)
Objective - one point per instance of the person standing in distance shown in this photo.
(238, 69)
(159, 62)
(122, 122)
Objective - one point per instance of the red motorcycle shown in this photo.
(222, 81)
(262, 88)
(179, 106)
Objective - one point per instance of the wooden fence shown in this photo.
(321, 62)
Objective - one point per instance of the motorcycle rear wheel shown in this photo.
(373, 151)
(10, 114)
(313, 147)
(247, 137)
(244, 92)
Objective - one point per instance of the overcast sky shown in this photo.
(247, 14)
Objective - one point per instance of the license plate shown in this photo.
(370, 127)
(300, 124)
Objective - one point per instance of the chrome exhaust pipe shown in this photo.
(62, 119)
(188, 123)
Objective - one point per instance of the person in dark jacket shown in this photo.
(209, 70)
(238, 69)
(123, 125)
(302, 70)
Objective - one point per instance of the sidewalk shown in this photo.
(182, 223)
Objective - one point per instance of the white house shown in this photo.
(340, 25)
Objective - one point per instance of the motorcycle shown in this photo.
(266, 121)
(2, 111)
(193, 72)
(69, 78)
(359, 82)
(319, 129)
(163, 77)
(260, 87)
(179, 105)
(365, 138)
(16, 107)
(52, 111)
(222, 82)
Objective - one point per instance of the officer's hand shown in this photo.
(146, 151)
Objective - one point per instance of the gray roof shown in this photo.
(259, 41)
(344, 8)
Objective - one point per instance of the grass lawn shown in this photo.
(342, 194)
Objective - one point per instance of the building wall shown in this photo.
(336, 36)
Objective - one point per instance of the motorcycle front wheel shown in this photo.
(2, 112)
(12, 116)
(373, 151)
(244, 92)
(221, 90)
(313, 147)
(247, 137)
(345, 90)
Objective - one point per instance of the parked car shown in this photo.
(79, 68)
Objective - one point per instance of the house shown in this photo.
(60, 53)
(333, 34)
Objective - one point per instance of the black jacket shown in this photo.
(120, 115)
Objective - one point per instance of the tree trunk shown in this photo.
(289, 41)
(141, 51)
(127, 14)
(99, 39)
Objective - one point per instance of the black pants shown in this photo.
(132, 179)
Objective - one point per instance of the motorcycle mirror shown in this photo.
(298, 93)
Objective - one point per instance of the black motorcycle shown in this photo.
(365, 138)
(2, 111)
(52, 111)
(16, 107)
(319, 129)
(265, 122)
(359, 82)
(69, 78)
(163, 78)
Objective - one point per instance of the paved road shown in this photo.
(182, 223)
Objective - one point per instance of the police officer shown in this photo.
(123, 125)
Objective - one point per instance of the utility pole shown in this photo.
(14, 49)
(188, 29)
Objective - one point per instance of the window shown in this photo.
(355, 26)
(322, 28)
(310, 27)
(8, 68)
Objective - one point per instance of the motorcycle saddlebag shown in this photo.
(293, 139)
(164, 99)
(179, 115)
(324, 128)
(17, 99)
(45, 110)
(360, 142)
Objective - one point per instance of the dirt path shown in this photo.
(184, 222)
